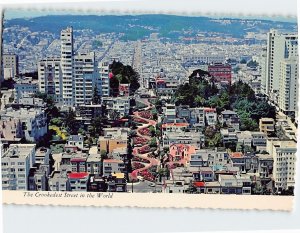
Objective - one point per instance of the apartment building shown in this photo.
(16, 162)
(104, 75)
(120, 105)
(49, 77)
(113, 138)
(10, 64)
(193, 138)
(289, 85)
(267, 126)
(221, 72)
(10, 130)
(112, 166)
(78, 181)
(284, 156)
(85, 78)
(279, 47)
(25, 87)
(117, 183)
(230, 118)
(58, 180)
(71, 78)
(67, 66)
(34, 121)
(75, 141)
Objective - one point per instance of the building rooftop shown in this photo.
(112, 161)
(77, 175)
(76, 138)
(41, 152)
(236, 155)
(18, 150)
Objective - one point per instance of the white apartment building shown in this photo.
(118, 104)
(67, 59)
(49, 74)
(85, 78)
(288, 85)
(111, 166)
(284, 157)
(71, 78)
(279, 47)
(78, 181)
(16, 163)
(33, 121)
(170, 111)
(103, 69)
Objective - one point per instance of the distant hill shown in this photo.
(138, 26)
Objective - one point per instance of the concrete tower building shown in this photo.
(288, 85)
(279, 47)
(103, 69)
(85, 78)
(49, 73)
(67, 60)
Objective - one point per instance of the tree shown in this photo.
(103, 154)
(96, 99)
(71, 123)
(152, 130)
(153, 142)
(200, 101)
(56, 121)
(114, 115)
(96, 127)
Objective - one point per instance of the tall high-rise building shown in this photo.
(72, 78)
(49, 73)
(288, 85)
(103, 68)
(279, 47)
(67, 59)
(85, 78)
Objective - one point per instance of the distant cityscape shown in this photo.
(149, 108)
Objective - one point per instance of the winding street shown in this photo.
(153, 161)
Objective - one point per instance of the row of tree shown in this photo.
(201, 91)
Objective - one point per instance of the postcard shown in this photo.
(148, 110)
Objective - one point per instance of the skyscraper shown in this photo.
(66, 38)
(288, 85)
(279, 47)
(85, 78)
(71, 78)
(49, 74)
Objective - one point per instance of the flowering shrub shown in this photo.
(140, 141)
(146, 114)
(144, 150)
(145, 132)
(147, 175)
(137, 165)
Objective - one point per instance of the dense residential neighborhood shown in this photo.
(150, 115)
